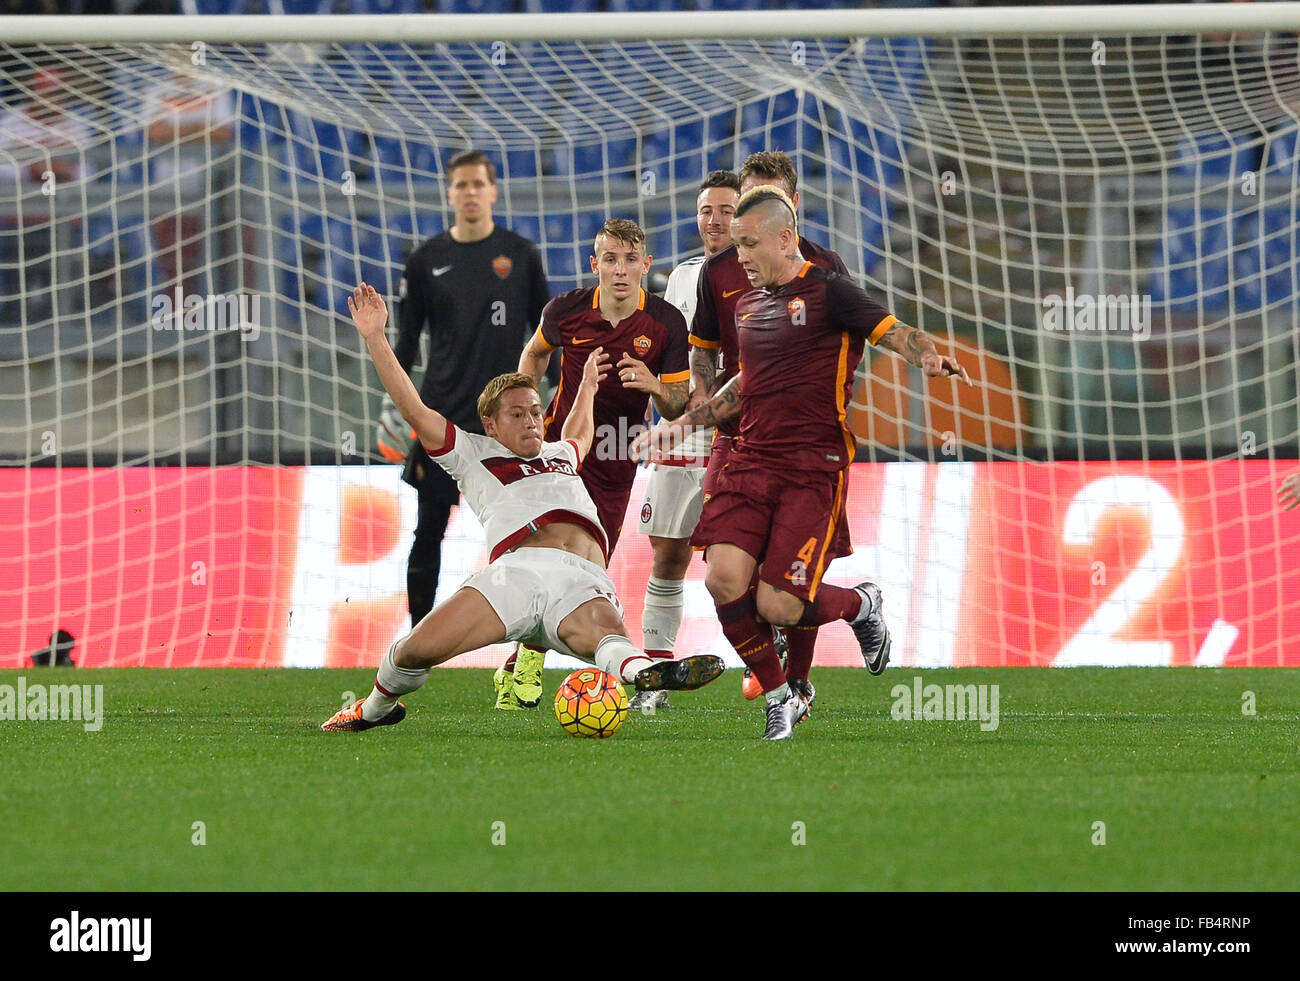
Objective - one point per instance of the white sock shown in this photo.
(617, 656)
(778, 694)
(390, 681)
(663, 613)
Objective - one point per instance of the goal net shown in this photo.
(1101, 226)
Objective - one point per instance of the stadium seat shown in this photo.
(120, 253)
(558, 229)
(529, 226)
(215, 6)
(1266, 258)
(323, 149)
(476, 6)
(299, 6)
(559, 6)
(522, 163)
(386, 6)
(589, 223)
(725, 5)
(640, 6)
(1190, 265)
(1215, 158)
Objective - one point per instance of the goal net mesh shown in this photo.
(1103, 231)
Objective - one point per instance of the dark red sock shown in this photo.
(752, 640)
(510, 661)
(799, 657)
(832, 603)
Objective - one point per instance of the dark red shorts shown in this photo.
(719, 455)
(610, 496)
(791, 522)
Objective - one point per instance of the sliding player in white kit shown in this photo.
(545, 581)
(675, 493)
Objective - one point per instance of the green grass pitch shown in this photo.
(1193, 793)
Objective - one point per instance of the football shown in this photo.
(591, 703)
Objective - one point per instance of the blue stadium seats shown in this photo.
(386, 6)
(476, 6)
(120, 248)
(559, 6)
(640, 6)
(1266, 260)
(1282, 154)
(529, 226)
(300, 6)
(589, 223)
(1215, 158)
(216, 6)
(1190, 265)
(728, 5)
(323, 149)
(558, 229)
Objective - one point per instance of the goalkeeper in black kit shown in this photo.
(479, 289)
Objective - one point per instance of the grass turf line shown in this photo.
(1194, 793)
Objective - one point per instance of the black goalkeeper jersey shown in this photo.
(481, 302)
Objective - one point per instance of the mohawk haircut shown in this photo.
(720, 178)
(756, 196)
(771, 166)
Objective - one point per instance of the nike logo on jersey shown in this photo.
(747, 315)
(583, 340)
(727, 293)
(439, 270)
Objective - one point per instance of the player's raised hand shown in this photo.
(1288, 495)
(369, 311)
(634, 374)
(596, 368)
(935, 365)
(655, 442)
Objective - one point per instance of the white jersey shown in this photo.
(513, 497)
(682, 292)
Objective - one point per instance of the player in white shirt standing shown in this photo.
(545, 580)
(674, 495)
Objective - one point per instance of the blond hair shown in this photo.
(490, 401)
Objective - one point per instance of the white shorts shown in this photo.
(673, 500)
(532, 590)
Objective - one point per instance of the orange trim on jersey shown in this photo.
(640, 303)
(841, 410)
(675, 376)
(542, 337)
(831, 524)
(555, 401)
(808, 264)
(881, 327)
(701, 342)
(595, 298)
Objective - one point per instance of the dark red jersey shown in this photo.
(722, 283)
(654, 334)
(800, 344)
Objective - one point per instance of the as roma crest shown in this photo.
(502, 265)
(642, 345)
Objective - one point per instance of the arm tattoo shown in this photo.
(674, 400)
(723, 406)
(704, 366)
(909, 343)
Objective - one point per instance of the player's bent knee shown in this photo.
(776, 607)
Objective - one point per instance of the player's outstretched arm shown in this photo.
(723, 406)
(581, 425)
(370, 314)
(535, 358)
(916, 347)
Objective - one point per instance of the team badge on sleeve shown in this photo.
(502, 265)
